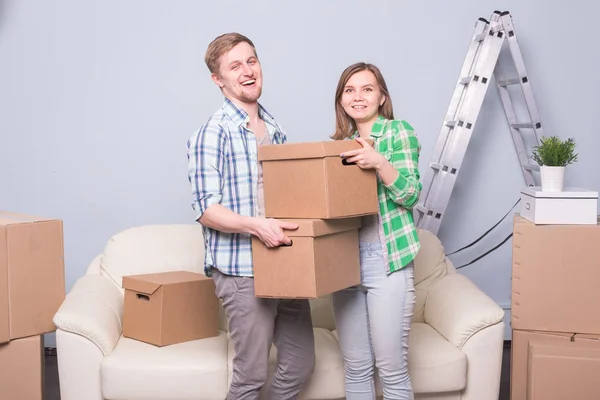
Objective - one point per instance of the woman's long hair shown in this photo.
(344, 125)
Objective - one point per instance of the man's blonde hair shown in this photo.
(221, 45)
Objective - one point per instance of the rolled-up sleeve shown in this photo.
(406, 189)
(205, 151)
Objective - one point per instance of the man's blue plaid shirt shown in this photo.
(223, 169)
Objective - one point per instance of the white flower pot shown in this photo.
(553, 178)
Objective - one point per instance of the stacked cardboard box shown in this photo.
(32, 288)
(311, 185)
(555, 319)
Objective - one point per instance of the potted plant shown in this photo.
(553, 155)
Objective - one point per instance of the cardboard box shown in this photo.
(170, 307)
(555, 277)
(32, 277)
(553, 366)
(571, 206)
(311, 180)
(323, 258)
(22, 369)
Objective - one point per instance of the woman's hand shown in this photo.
(366, 157)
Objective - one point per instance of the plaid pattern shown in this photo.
(223, 169)
(398, 143)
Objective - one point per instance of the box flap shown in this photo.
(135, 284)
(320, 227)
(149, 283)
(292, 151)
(567, 193)
(10, 218)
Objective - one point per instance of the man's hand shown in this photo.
(270, 231)
(366, 157)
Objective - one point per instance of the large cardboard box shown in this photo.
(571, 206)
(554, 366)
(170, 307)
(323, 258)
(555, 277)
(311, 180)
(22, 369)
(32, 277)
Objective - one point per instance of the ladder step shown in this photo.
(444, 168)
(450, 123)
(480, 37)
(426, 211)
(421, 209)
(511, 81)
(531, 167)
(467, 79)
(522, 125)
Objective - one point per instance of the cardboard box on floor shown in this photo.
(323, 258)
(22, 369)
(32, 278)
(554, 366)
(169, 307)
(310, 180)
(555, 277)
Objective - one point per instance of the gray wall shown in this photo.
(97, 100)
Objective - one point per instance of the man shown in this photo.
(226, 181)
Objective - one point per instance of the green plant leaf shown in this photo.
(553, 152)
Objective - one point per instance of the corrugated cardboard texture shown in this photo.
(170, 307)
(309, 180)
(549, 366)
(555, 277)
(22, 369)
(323, 258)
(31, 274)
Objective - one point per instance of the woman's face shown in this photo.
(362, 97)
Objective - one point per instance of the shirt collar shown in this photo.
(240, 117)
(377, 130)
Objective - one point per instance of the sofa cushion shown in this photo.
(327, 381)
(153, 248)
(435, 364)
(322, 312)
(430, 355)
(192, 370)
(430, 265)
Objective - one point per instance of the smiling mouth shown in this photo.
(359, 107)
(249, 82)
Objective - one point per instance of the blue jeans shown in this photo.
(373, 322)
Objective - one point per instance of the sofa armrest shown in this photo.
(458, 309)
(93, 309)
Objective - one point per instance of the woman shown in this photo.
(373, 319)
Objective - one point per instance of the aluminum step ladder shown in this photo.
(481, 61)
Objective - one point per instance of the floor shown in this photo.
(52, 391)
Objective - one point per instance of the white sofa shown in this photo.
(455, 351)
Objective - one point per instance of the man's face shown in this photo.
(240, 74)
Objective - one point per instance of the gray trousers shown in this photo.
(257, 323)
